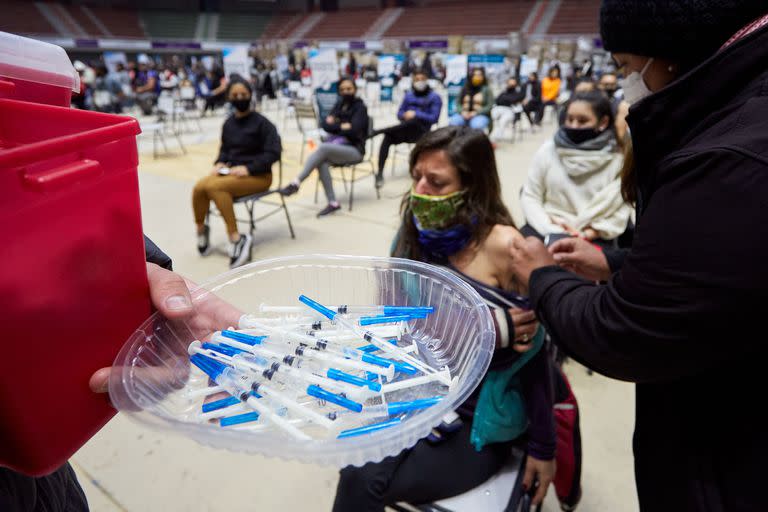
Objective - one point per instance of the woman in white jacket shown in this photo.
(573, 185)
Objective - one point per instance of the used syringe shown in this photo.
(237, 386)
(335, 381)
(348, 309)
(280, 351)
(370, 337)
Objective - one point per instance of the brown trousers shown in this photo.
(222, 190)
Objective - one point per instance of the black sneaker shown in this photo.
(289, 189)
(379, 181)
(204, 242)
(240, 252)
(328, 210)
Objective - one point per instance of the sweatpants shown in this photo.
(323, 157)
(222, 190)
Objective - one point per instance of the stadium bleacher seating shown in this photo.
(431, 18)
(351, 23)
(169, 24)
(21, 17)
(83, 20)
(241, 27)
(120, 22)
(576, 17)
(474, 19)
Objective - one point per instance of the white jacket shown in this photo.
(578, 187)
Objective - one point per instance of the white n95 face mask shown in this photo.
(634, 86)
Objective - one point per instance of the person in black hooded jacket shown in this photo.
(682, 316)
(347, 127)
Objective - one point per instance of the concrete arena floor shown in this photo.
(127, 467)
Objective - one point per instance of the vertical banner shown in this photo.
(386, 73)
(455, 75)
(527, 66)
(326, 98)
(237, 61)
(111, 59)
(324, 67)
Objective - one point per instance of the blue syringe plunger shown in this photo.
(326, 312)
(243, 338)
(239, 419)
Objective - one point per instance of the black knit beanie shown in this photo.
(683, 31)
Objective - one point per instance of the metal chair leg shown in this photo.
(249, 206)
(373, 173)
(344, 179)
(162, 139)
(287, 217)
(352, 188)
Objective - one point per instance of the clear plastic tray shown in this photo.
(152, 379)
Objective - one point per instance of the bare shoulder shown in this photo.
(500, 238)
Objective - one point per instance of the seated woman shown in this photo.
(419, 110)
(249, 146)
(573, 186)
(475, 102)
(454, 217)
(508, 108)
(550, 91)
(347, 126)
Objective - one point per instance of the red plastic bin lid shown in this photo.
(35, 61)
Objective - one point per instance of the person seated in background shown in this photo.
(609, 84)
(454, 217)
(249, 146)
(550, 91)
(123, 77)
(347, 129)
(419, 110)
(532, 104)
(145, 87)
(582, 86)
(169, 81)
(475, 102)
(213, 87)
(508, 107)
(573, 186)
(106, 91)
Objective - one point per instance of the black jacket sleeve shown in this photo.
(262, 163)
(615, 258)
(685, 300)
(155, 255)
(334, 127)
(358, 122)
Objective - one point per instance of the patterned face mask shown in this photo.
(436, 212)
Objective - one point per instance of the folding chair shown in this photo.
(367, 159)
(250, 202)
(158, 135)
(503, 492)
(305, 113)
(395, 151)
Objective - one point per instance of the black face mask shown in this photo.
(610, 91)
(580, 135)
(347, 98)
(241, 105)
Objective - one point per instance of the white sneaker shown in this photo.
(240, 251)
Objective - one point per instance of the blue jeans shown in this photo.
(479, 122)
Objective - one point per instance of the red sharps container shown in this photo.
(73, 280)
